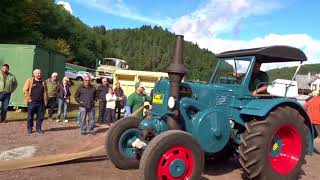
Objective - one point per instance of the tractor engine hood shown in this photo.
(206, 94)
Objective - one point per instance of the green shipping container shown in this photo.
(23, 59)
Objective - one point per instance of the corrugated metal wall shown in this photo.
(23, 59)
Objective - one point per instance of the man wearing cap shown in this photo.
(8, 84)
(136, 100)
(52, 85)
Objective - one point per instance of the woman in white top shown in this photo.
(111, 106)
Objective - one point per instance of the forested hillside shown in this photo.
(43, 23)
(150, 48)
(287, 72)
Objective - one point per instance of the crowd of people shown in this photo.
(40, 94)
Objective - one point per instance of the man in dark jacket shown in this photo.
(86, 97)
(102, 91)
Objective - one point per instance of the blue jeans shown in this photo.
(64, 103)
(82, 116)
(38, 108)
(4, 98)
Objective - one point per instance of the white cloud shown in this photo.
(121, 9)
(225, 16)
(310, 46)
(66, 5)
(221, 16)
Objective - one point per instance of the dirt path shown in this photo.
(63, 137)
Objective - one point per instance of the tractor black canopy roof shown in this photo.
(268, 54)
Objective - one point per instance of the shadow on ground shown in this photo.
(214, 168)
(63, 128)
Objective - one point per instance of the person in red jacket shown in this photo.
(313, 109)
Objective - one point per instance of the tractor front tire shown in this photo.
(116, 146)
(172, 154)
(274, 147)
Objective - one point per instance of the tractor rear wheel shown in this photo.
(274, 147)
(172, 154)
(117, 143)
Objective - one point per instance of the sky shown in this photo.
(217, 25)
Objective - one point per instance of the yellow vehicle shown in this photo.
(107, 66)
(128, 78)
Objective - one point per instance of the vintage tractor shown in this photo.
(191, 122)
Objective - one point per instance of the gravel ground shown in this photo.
(65, 137)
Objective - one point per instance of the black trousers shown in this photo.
(111, 115)
(118, 111)
(51, 104)
(102, 111)
(37, 108)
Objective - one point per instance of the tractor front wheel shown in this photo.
(274, 147)
(118, 143)
(172, 155)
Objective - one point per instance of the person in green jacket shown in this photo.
(8, 84)
(136, 100)
(52, 85)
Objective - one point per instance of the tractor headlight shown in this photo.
(171, 102)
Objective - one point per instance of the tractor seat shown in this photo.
(283, 88)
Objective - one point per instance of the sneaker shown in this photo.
(29, 131)
(66, 120)
(92, 132)
(40, 131)
(4, 121)
(83, 133)
(58, 120)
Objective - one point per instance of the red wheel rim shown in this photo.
(285, 149)
(168, 159)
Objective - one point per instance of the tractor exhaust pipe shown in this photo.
(176, 71)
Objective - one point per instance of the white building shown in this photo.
(315, 84)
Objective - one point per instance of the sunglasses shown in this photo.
(86, 80)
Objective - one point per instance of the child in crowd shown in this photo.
(111, 106)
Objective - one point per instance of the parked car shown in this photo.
(78, 75)
(82, 74)
(70, 73)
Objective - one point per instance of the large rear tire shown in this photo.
(119, 152)
(171, 155)
(274, 147)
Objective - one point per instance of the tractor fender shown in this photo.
(261, 107)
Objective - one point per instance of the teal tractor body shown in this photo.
(191, 122)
